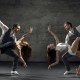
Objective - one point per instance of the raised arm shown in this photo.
(53, 34)
(3, 27)
(26, 34)
(19, 46)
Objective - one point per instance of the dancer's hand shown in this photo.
(22, 60)
(29, 32)
(30, 29)
(49, 28)
(25, 65)
(49, 67)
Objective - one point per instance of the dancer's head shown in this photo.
(51, 46)
(68, 25)
(16, 28)
(51, 53)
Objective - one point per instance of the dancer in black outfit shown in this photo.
(9, 44)
(73, 33)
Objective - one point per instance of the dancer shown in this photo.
(73, 33)
(61, 47)
(24, 46)
(8, 44)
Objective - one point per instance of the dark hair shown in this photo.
(15, 25)
(69, 23)
(51, 55)
(26, 52)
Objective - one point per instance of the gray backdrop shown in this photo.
(39, 13)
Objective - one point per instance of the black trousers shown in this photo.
(7, 48)
(12, 53)
(65, 61)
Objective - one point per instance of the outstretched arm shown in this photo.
(53, 34)
(26, 34)
(20, 56)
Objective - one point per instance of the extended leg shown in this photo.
(75, 44)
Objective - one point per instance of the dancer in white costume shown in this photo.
(61, 47)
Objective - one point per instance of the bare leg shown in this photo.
(74, 45)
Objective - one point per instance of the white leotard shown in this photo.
(61, 46)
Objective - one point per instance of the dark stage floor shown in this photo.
(38, 71)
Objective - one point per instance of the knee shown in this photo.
(63, 57)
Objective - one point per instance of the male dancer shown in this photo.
(70, 37)
(9, 42)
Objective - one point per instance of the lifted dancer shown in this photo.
(8, 44)
(60, 47)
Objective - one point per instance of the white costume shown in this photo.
(61, 46)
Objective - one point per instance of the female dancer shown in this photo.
(54, 51)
